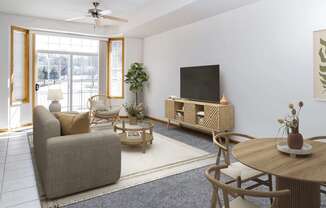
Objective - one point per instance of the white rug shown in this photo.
(165, 157)
(164, 151)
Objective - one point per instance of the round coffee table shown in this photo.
(138, 134)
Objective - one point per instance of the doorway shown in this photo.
(68, 63)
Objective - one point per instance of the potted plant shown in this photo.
(134, 111)
(290, 124)
(135, 78)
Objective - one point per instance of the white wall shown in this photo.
(133, 53)
(22, 114)
(265, 52)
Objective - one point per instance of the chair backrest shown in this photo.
(222, 142)
(213, 175)
(98, 99)
(318, 138)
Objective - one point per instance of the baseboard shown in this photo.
(161, 120)
(21, 127)
(156, 119)
(3, 130)
(190, 128)
(26, 124)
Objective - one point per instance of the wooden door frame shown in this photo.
(34, 71)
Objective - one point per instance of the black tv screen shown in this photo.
(200, 83)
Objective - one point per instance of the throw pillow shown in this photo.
(73, 123)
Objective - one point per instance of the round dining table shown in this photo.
(301, 175)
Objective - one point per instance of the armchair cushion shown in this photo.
(109, 112)
(73, 123)
(100, 106)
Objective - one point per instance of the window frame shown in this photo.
(14, 101)
(108, 90)
(71, 54)
(70, 72)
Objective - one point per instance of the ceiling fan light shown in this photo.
(98, 15)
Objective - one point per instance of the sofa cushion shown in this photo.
(73, 123)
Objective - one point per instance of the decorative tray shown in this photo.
(305, 150)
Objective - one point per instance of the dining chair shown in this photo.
(237, 171)
(320, 139)
(238, 194)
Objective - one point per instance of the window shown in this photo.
(19, 69)
(71, 64)
(115, 75)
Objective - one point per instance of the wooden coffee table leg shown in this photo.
(151, 133)
(144, 141)
(303, 194)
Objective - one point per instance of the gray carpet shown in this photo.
(186, 190)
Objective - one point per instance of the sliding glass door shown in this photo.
(85, 80)
(53, 70)
(72, 67)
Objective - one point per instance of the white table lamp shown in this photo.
(55, 95)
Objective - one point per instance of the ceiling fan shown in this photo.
(98, 15)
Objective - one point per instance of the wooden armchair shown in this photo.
(239, 172)
(101, 110)
(239, 201)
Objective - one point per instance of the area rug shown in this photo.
(165, 157)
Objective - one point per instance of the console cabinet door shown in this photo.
(226, 114)
(169, 109)
(190, 113)
(211, 118)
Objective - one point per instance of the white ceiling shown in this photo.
(146, 17)
(183, 14)
(64, 9)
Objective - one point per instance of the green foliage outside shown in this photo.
(54, 75)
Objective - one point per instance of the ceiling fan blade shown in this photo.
(77, 18)
(106, 12)
(114, 18)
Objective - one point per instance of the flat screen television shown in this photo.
(200, 83)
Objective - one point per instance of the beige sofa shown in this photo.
(74, 163)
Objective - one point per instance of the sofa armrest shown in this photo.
(45, 126)
(83, 161)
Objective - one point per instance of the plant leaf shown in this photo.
(322, 42)
(322, 68)
(323, 81)
(323, 76)
(322, 56)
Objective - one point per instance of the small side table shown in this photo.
(135, 135)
